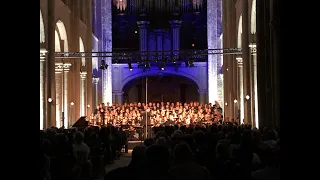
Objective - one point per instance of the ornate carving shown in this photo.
(59, 67)
(95, 80)
(43, 53)
(253, 48)
(83, 75)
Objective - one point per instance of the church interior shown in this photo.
(126, 51)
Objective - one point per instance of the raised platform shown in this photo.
(132, 144)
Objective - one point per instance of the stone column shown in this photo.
(83, 105)
(159, 34)
(246, 62)
(50, 66)
(143, 35)
(255, 118)
(175, 34)
(57, 102)
(61, 102)
(42, 93)
(202, 96)
(241, 88)
(95, 81)
(106, 37)
(212, 36)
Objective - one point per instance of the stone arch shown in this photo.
(62, 34)
(81, 49)
(253, 16)
(57, 45)
(239, 38)
(147, 73)
(42, 33)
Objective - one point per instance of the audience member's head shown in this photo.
(148, 142)
(182, 153)
(158, 158)
(138, 157)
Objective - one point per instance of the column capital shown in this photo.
(118, 93)
(175, 23)
(43, 53)
(59, 67)
(95, 80)
(83, 74)
(239, 60)
(202, 91)
(253, 48)
(159, 31)
(143, 24)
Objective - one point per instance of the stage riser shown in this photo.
(132, 144)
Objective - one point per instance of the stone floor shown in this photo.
(123, 161)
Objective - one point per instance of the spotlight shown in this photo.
(50, 100)
(235, 101)
(163, 65)
(72, 103)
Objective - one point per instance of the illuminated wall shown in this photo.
(213, 43)
(106, 36)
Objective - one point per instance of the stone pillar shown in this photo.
(42, 93)
(212, 36)
(106, 37)
(50, 66)
(95, 81)
(255, 117)
(246, 62)
(241, 88)
(83, 105)
(202, 96)
(175, 34)
(57, 102)
(143, 35)
(61, 102)
(159, 34)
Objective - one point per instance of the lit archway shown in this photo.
(63, 35)
(42, 33)
(61, 77)
(81, 49)
(155, 72)
(253, 17)
(239, 39)
(161, 88)
(57, 45)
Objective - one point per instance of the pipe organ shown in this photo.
(169, 6)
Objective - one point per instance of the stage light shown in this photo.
(50, 100)
(163, 65)
(235, 101)
(72, 103)
(88, 106)
(226, 104)
(247, 97)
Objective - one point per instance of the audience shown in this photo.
(215, 152)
